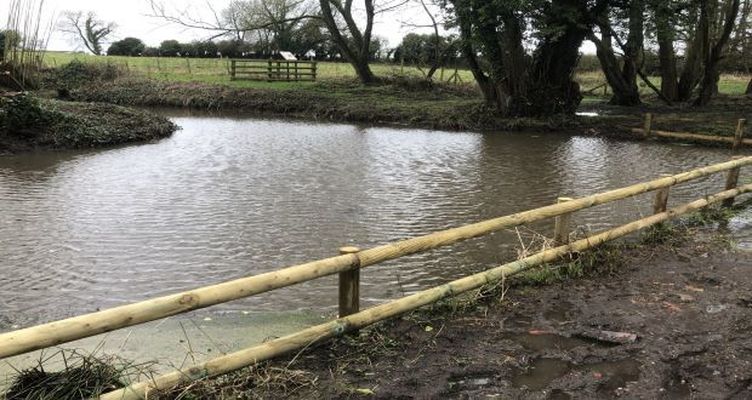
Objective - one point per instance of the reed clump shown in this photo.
(81, 377)
(25, 39)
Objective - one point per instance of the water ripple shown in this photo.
(229, 197)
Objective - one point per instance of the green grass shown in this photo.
(731, 84)
(216, 71)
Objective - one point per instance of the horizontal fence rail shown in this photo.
(79, 327)
(252, 355)
(735, 141)
(273, 70)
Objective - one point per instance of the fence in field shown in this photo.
(273, 70)
(735, 141)
(348, 264)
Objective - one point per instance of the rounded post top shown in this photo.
(348, 250)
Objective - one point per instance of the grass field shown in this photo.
(216, 71)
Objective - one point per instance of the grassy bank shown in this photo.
(28, 123)
(405, 102)
(404, 99)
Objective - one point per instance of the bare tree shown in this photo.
(86, 29)
(240, 18)
(353, 41)
(442, 47)
(352, 38)
(278, 22)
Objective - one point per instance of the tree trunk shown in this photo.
(518, 82)
(621, 78)
(625, 92)
(356, 46)
(486, 86)
(667, 60)
(692, 72)
(551, 87)
(363, 70)
(713, 55)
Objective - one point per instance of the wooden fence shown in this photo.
(348, 265)
(273, 70)
(735, 141)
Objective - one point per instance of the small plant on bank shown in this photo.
(82, 377)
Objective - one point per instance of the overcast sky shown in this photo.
(132, 18)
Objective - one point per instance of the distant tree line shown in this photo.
(235, 48)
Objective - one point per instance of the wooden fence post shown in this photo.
(232, 70)
(349, 286)
(732, 181)
(661, 198)
(561, 225)
(648, 125)
(739, 134)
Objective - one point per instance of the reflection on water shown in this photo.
(231, 197)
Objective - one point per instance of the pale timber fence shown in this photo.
(736, 141)
(348, 265)
(273, 70)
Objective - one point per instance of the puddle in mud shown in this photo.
(612, 375)
(541, 373)
(543, 341)
(558, 394)
(616, 374)
(676, 388)
(558, 312)
(468, 382)
(739, 227)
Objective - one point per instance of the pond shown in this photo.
(228, 197)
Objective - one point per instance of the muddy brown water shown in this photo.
(228, 197)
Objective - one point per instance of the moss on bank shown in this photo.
(28, 123)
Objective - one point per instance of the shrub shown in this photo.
(77, 73)
(21, 114)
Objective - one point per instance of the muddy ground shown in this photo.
(690, 305)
